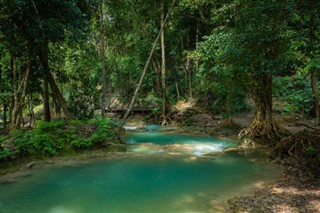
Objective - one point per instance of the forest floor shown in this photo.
(297, 191)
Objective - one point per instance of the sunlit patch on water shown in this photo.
(61, 209)
(175, 149)
(129, 128)
(156, 143)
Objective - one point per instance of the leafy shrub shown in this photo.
(49, 138)
(42, 126)
(42, 140)
(4, 153)
(103, 131)
(36, 142)
(82, 143)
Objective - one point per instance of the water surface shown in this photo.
(157, 183)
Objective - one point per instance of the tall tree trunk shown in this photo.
(11, 109)
(46, 101)
(229, 107)
(19, 92)
(177, 85)
(57, 108)
(5, 109)
(4, 100)
(313, 76)
(43, 56)
(263, 129)
(163, 70)
(157, 68)
(15, 91)
(315, 93)
(31, 112)
(135, 95)
(103, 65)
(188, 70)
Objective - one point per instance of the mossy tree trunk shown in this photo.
(263, 129)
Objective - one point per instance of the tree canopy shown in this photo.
(74, 57)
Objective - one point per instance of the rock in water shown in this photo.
(31, 164)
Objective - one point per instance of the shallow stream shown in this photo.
(169, 174)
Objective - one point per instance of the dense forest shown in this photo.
(68, 59)
(66, 65)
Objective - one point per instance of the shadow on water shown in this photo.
(176, 180)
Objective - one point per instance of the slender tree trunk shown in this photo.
(315, 93)
(165, 103)
(31, 112)
(263, 129)
(11, 109)
(43, 56)
(177, 85)
(19, 92)
(4, 101)
(46, 101)
(15, 91)
(57, 108)
(313, 76)
(135, 95)
(21, 118)
(229, 108)
(188, 70)
(103, 65)
(5, 109)
(157, 68)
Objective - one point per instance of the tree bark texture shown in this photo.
(46, 101)
(263, 129)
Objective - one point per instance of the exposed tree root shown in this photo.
(303, 146)
(262, 133)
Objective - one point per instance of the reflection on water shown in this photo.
(180, 183)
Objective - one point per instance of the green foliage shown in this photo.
(103, 131)
(296, 93)
(4, 151)
(93, 133)
(51, 138)
(80, 71)
(39, 141)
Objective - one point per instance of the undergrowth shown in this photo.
(58, 136)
